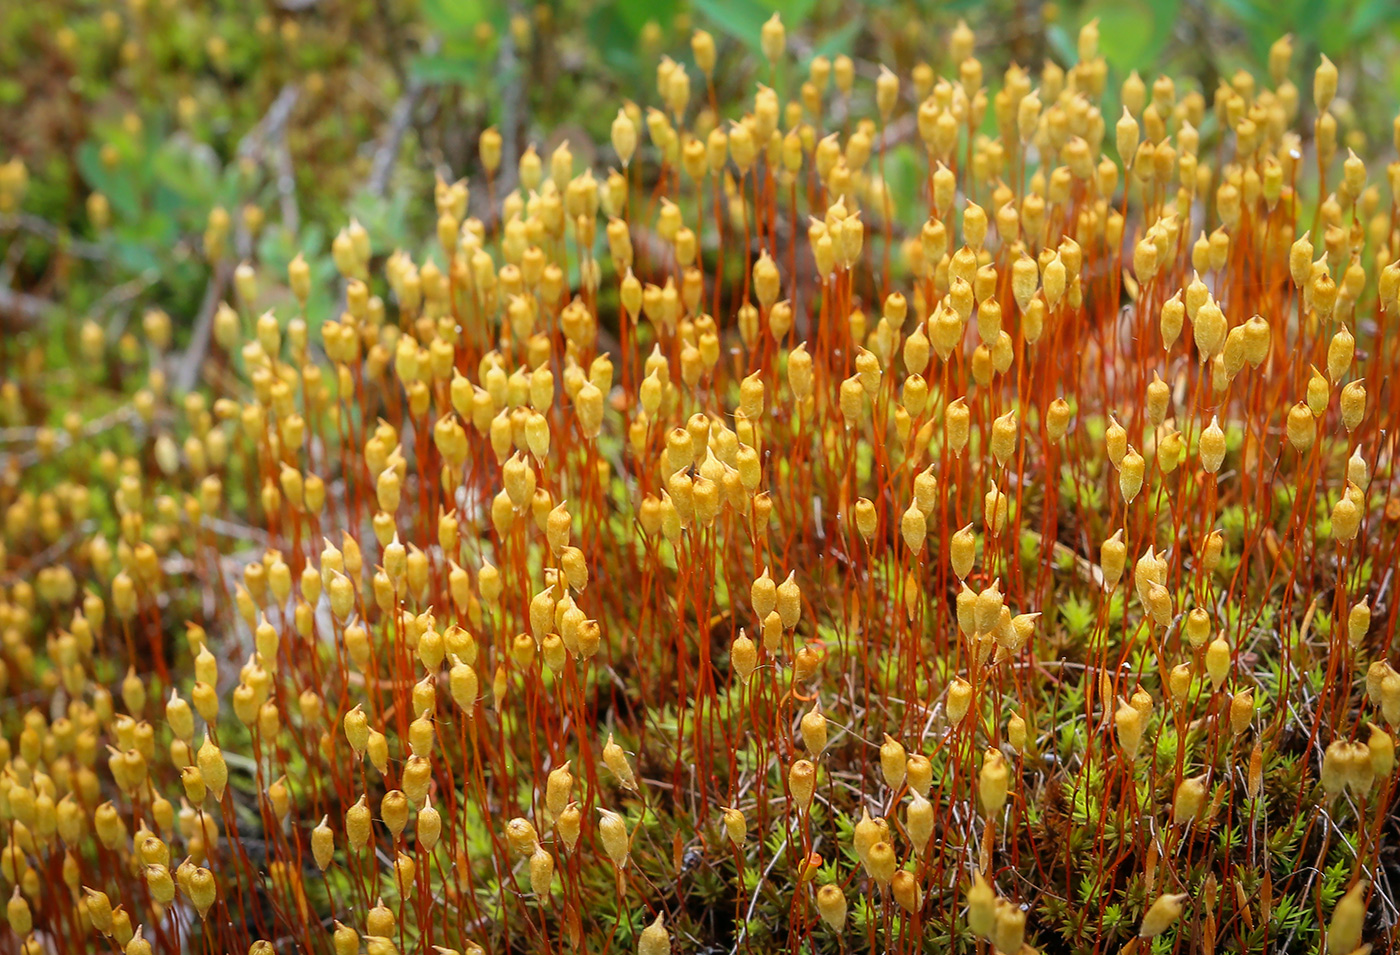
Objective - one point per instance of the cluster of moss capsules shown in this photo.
(770, 568)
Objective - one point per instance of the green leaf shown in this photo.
(444, 68)
(744, 19)
(459, 18)
(1129, 34)
(1367, 16)
(838, 41)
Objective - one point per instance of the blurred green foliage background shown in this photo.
(134, 120)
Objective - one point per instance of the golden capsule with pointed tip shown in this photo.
(342, 595)
(377, 749)
(1348, 920)
(763, 594)
(814, 730)
(1212, 547)
(766, 281)
(359, 824)
(926, 491)
(995, 507)
(569, 825)
(1130, 723)
(867, 519)
(1025, 277)
(988, 608)
(802, 781)
(1324, 292)
(1033, 320)
(915, 398)
(179, 716)
(212, 767)
(893, 762)
(393, 809)
(654, 940)
(882, 862)
(773, 632)
(917, 351)
(1241, 710)
(966, 607)
(919, 823)
(17, 912)
(1357, 769)
(1013, 633)
(99, 910)
(1381, 749)
(612, 832)
(1161, 915)
(1171, 320)
(799, 371)
(616, 761)
(70, 822)
(1169, 451)
(1358, 623)
(1353, 402)
(992, 783)
(522, 837)
(1158, 397)
(379, 920)
(1209, 329)
(852, 401)
(981, 906)
(405, 869)
(831, 906)
(983, 366)
(1218, 660)
(541, 872)
(558, 789)
(904, 885)
(121, 933)
(1016, 733)
(1197, 627)
(1115, 441)
(1256, 340)
(1179, 682)
(1376, 676)
(464, 686)
(1302, 428)
(959, 700)
(202, 890)
(1009, 931)
(1145, 259)
(789, 601)
(914, 528)
(1346, 519)
(323, 844)
(624, 137)
(1130, 474)
(1319, 393)
(1212, 446)
(345, 940)
(1126, 136)
(1231, 357)
(1054, 278)
(1003, 442)
(1057, 419)
(957, 419)
(138, 945)
(1197, 295)
(417, 778)
(866, 833)
(962, 551)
